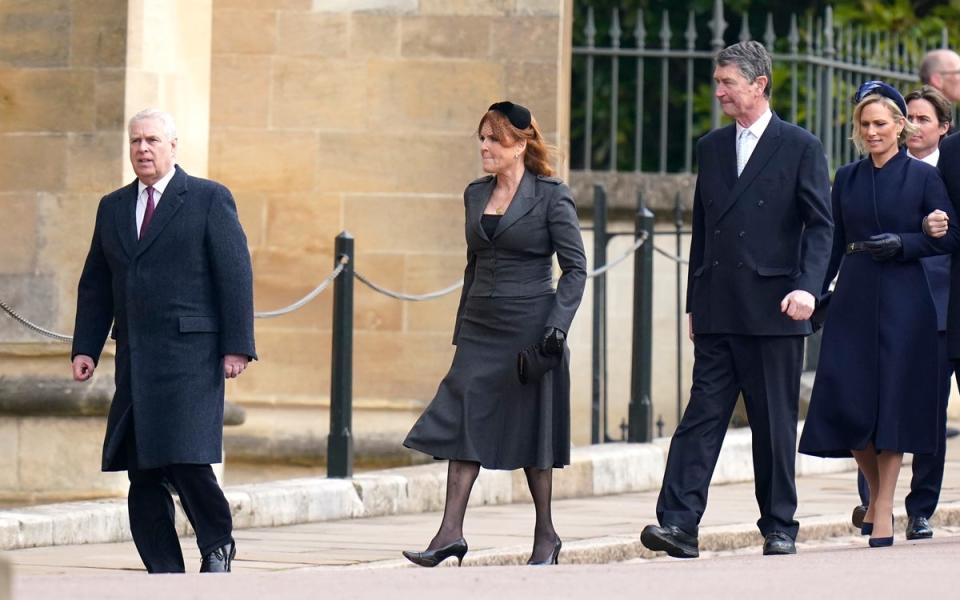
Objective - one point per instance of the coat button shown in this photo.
(716, 232)
(741, 234)
(716, 262)
(739, 265)
(759, 202)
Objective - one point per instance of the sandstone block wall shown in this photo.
(62, 91)
(361, 116)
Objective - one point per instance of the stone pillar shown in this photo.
(168, 67)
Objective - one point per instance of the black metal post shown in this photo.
(340, 440)
(641, 409)
(598, 406)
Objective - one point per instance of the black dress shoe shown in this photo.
(219, 560)
(918, 528)
(856, 518)
(432, 558)
(777, 542)
(670, 539)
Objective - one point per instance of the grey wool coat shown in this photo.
(179, 300)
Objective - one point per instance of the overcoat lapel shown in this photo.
(126, 219)
(767, 146)
(169, 205)
(728, 155)
(524, 199)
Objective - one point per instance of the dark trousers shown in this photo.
(151, 509)
(927, 468)
(766, 370)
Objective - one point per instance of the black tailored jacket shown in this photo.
(179, 299)
(540, 221)
(949, 166)
(758, 237)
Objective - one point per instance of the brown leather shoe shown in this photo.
(219, 560)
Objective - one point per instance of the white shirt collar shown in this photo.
(758, 126)
(931, 159)
(159, 186)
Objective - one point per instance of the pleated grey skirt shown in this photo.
(481, 412)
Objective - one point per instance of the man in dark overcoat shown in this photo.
(762, 234)
(169, 268)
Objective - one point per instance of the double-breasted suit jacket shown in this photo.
(758, 237)
(179, 299)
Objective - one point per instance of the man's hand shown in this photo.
(690, 325)
(798, 305)
(83, 367)
(936, 224)
(234, 364)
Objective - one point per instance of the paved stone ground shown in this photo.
(590, 527)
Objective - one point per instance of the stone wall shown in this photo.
(61, 141)
(362, 116)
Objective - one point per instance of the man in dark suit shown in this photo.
(169, 268)
(762, 233)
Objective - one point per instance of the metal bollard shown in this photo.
(340, 440)
(598, 405)
(641, 409)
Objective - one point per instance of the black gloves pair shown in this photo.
(884, 246)
(553, 339)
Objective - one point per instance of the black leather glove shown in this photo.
(553, 339)
(884, 246)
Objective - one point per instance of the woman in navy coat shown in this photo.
(875, 394)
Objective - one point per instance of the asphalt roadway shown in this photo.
(928, 569)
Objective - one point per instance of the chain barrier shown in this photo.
(336, 273)
(259, 315)
(34, 327)
(408, 297)
(636, 246)
(673, 257)
(306, 299)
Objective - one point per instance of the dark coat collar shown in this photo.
(127, 222)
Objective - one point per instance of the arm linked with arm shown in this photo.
(918, 244)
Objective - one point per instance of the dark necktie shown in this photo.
(147, 214)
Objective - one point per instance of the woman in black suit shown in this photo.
(517, 218)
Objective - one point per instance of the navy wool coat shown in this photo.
(758, 237)
(179, 300)
(878, 373)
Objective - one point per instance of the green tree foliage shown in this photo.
(916, 24)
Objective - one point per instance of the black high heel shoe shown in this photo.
(432, 558)
(553, 559)
(866, 528)
(879, 542)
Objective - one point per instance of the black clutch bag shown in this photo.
(532, 363)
